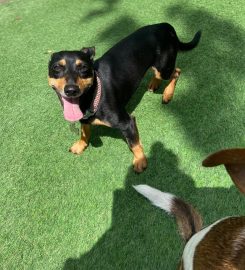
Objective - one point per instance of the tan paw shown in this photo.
(78, 147)
(168, 94)
(140, 164)
(154, 84)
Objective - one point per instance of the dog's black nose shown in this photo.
(71, 90)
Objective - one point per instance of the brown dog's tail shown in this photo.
(192, 44)
(188, 219)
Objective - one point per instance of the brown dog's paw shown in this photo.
(140, 164)
(78, 147)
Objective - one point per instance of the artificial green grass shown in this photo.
(60, 211)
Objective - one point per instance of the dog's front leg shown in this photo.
(79, 146)
(130, 132)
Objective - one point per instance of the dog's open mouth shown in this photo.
(71, 108)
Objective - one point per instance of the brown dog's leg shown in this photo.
(79, 146)
(169, 90)
(155, 81)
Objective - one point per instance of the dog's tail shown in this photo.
(188, 219)
(192, 44)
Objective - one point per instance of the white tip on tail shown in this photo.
(158, 198)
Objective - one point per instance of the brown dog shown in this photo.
(219, 246)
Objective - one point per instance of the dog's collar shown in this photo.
(96, 100)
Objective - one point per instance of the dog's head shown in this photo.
(71, 72)
(234, 162)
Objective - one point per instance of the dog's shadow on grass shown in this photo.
(108, 7)
(210, 108)
(142, 236)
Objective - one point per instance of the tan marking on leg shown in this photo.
(139, 161)
(154, 84)
(169, 90)
(98, 122)
(157, 74)
(79, 146)
(155, 81)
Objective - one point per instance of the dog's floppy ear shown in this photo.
(234, 161)
(89, 51)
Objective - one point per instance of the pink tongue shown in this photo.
(71, 108)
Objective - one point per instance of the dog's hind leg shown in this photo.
(155, 81)
(165, 66)
(79, 146)
(169, 90)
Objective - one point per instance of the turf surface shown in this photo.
(60, 211)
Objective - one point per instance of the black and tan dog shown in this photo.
(219, 246)
(96, 92)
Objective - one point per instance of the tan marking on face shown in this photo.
(62, 62)
(84, 83)
(157, 74)
(58, 84)
(78, 62)
(98, 122)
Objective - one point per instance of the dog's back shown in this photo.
(152, 45)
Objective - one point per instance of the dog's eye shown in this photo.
(58, 68)
(82, 68)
